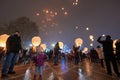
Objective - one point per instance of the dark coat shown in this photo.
(13, 44)
(107, 46)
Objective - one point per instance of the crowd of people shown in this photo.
(101, 54)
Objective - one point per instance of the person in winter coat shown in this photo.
(39, 60)
(13, 46)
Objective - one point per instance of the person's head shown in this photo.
(108, 37)
(98, 46)
(17, 33)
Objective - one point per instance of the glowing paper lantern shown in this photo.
(91, 44)
(61, 45)
(91, 37)
(43, 47)
(36, 41)
(3, 39)
(114, 46)
(78, 42)
(85, 49)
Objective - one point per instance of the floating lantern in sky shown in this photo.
(61, 45)
(103, 35)
(91, 44)
(62, 8)
(76, 27)
(76, 0)
(36, 41)
(47, 11)
(43, 47)
(55, 13)
(37, 14)
(91, 37)
(65, 13)
(3, 39)
(87, 28)
(78, 42)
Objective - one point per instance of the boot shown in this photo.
(40, 77)
(34, 77)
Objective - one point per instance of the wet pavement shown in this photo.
(63, 71)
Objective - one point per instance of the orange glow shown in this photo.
(78, 42)
(3, 39)
(36, 41)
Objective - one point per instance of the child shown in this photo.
(39, 62)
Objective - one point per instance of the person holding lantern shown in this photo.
(109, 54)
(13, 46)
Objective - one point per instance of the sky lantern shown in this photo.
(114, 41)
(61, 45)
(91, 44)
(91, 37)
(36, 41)
(78, 42)
(3, 39)
(87, 28)
(43, 47)
(85, 50)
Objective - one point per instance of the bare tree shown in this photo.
(27, 28)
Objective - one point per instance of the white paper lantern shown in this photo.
(78, 42)
(91, 37)
(36, 41)
(61, 45)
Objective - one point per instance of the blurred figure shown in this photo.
(118, 50)
(109, 55)
(93, 55)
(39, 62)
(81, 56)
(76, 54)
(100, 55)
(56, 54)
(50, 54)
(13, 46)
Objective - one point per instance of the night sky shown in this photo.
(66, 20)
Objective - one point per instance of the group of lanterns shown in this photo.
(36, 41)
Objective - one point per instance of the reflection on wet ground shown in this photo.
(63, 71)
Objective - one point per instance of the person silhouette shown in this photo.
(13, 46)
(109, 54)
